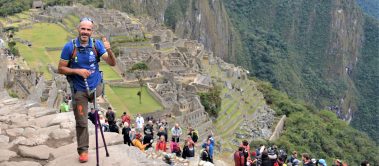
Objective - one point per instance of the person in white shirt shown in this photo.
(139, 123)
(176, 132)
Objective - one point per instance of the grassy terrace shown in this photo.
(126, 100)
(42, 35)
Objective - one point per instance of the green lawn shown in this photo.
(109, 72)
(42, 35)
(126, 100)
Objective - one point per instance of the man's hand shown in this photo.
(83, 72)
(109, 57)
(107, 45)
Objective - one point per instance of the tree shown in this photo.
(138, 69)
(211, 100)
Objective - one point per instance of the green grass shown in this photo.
(126, 100)
(109, 72)
(42, 35)
(45, 35)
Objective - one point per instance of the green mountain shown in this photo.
(324, 52)
(320, 133)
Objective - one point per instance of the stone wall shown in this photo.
(278, 129)
(3, 68)
(157, 97)
(36, 93)
(53, 94)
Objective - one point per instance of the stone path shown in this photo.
(40, 136)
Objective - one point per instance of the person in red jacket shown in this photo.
(125, 118)
(240, 157)
(161, 144)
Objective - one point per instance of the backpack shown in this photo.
(195, 136)
(74, 51)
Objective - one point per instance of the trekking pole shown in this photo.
(97, 123)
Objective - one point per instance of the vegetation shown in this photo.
(319, 133)
(367, 81)
(211, 101)
(10, 7)
(13, 48)
(175, 12)
(287, 43)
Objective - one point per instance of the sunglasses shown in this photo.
(86, 19)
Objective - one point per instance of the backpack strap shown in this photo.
(74, 51)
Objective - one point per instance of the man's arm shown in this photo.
(109, 56)
(63, 69)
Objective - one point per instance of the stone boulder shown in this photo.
(21, 163)
(40, 111)
(118, 155)
(41, 152)
(5, 155)
(60, 134)
(15, 132)
(4, 139)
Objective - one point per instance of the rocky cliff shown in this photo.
(205, 21)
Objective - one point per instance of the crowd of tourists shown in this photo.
(157, 135)
(272, 156)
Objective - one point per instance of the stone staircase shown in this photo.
(35, 135)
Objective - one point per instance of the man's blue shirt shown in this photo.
(85, 59)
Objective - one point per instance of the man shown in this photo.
(64, 107)
(110, 116)
(204, 154)
(211, 143)
(149, 134)
(306, 159)
(125, 118)
(240, 157)
(79, 61)
(193, 134)
(176, 132)
(139, 122)
(293, 157)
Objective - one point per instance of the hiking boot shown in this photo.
(83, 157)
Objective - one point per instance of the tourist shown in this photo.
(161, 144)
(139, 123)
(176, 132)
(204, 154)
(306, 159)
(64, 107)
(211, 143)
(193, 134)
(175, 148)
(163, 133)
(80, 61)
(126, 132)
(188, 149)
(110, 116)
(137, 142)
(125, 118)
(240, 157)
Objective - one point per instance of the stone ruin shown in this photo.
(107, 22)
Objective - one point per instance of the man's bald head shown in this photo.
(85, 30)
